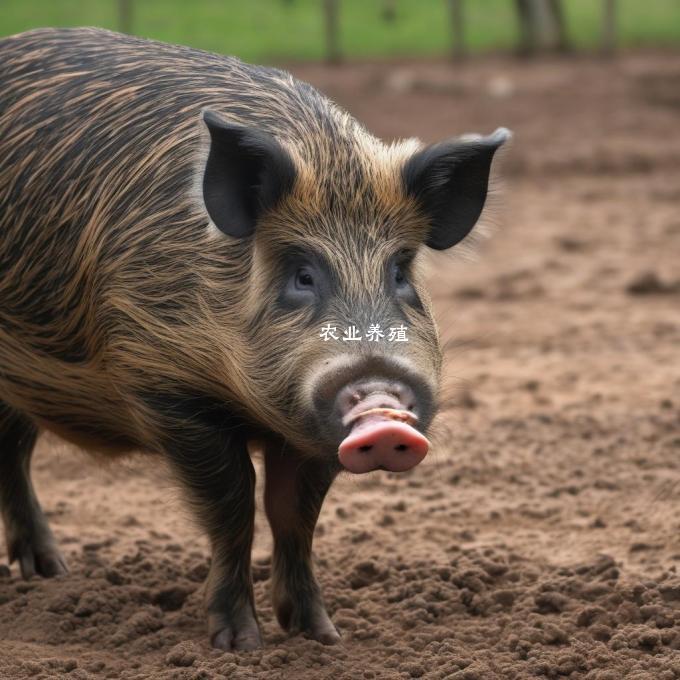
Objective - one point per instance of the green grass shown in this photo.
(271, 30)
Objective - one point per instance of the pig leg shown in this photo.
(28, 535)
(294, 492)
(215, 467)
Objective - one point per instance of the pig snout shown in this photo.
(380, 419)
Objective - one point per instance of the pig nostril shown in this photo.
(401, 447)
(366, 447)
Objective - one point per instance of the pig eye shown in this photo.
(304, 279)
(399, 280)
(301, 289)
(305, 282)
(399, 276)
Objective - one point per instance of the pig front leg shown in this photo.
(294, 492)
(29, 538)
(214, 465)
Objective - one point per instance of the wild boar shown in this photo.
(193, 251)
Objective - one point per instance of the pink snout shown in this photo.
(379, 442)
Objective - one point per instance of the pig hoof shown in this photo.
(229, 639)
(44, 560)
(328, 636)
(314, 624)
(322, 629)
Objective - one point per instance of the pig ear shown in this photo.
(247, 172)
(450, 182)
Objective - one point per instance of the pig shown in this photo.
(187, 245)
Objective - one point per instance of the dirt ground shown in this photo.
(541, 537)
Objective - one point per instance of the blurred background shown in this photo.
(272, 30)
(541, 536)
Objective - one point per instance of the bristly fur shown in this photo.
(116, 282)
(143, 287)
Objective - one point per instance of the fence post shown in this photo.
(608, 26)
(542, 26)
(333, 55)
(389, 10)
(125, 16)
(457, 29)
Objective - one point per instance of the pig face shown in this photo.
(340, 322)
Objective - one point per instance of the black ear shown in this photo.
(247, 172)
(450, 181)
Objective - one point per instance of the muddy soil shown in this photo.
(541, 537)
